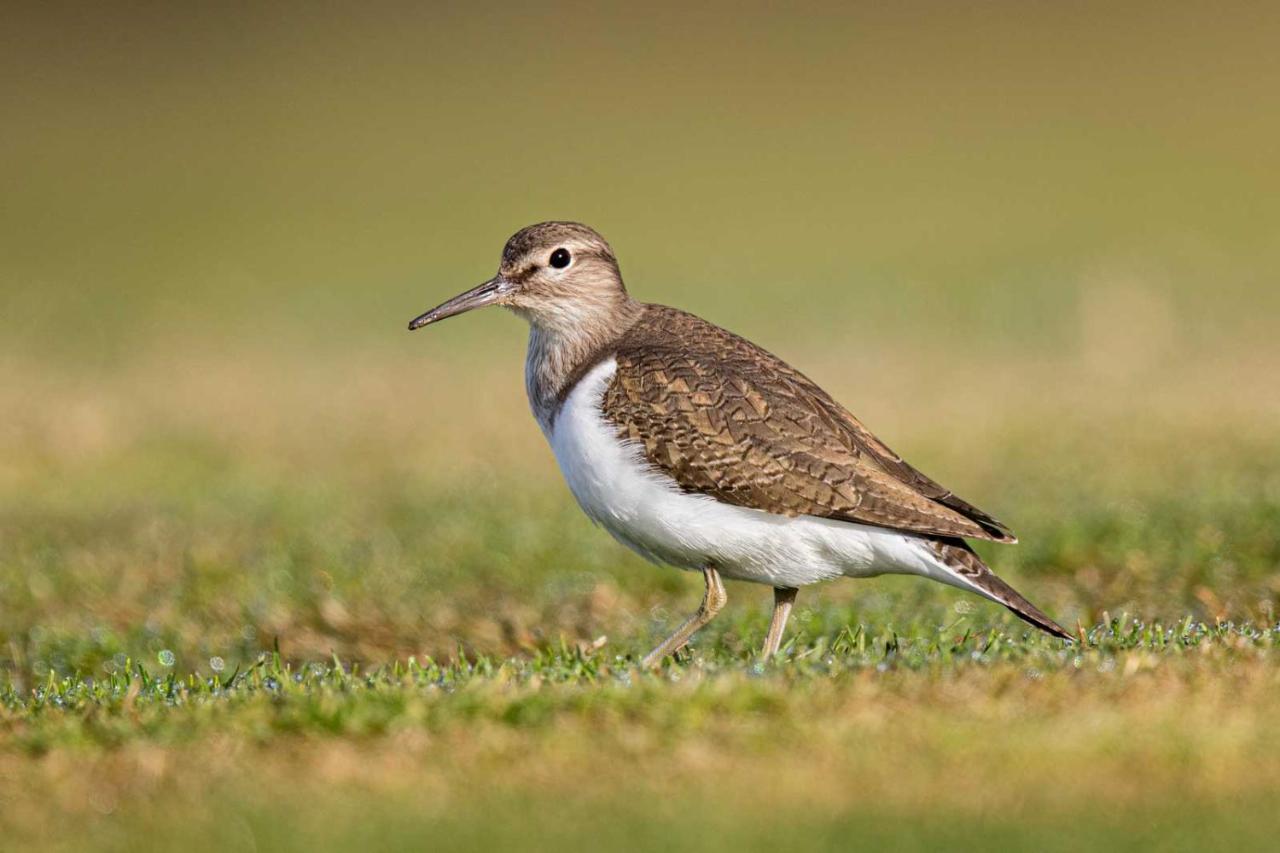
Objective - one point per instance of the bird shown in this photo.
(699, 449)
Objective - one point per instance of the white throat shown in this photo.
(546, 368)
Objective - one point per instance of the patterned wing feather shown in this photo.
(725, 418)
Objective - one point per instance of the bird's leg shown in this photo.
(783, 598)
(712, 601)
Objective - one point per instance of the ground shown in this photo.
(225, 631)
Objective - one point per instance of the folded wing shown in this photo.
(727, 419)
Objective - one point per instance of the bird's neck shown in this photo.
(561, 353)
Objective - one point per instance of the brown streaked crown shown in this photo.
(525, 247)
(727, 419)
(577, 299)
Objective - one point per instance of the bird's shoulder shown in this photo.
(726, 418)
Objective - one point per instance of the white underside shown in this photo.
(645, 510)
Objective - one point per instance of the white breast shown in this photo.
(644, 509)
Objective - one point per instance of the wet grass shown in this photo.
(1143, 734)
(274, 697)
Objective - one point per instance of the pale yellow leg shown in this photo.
(712, 602)
(783, 598)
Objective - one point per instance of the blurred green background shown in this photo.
(302, 176)
(1033, 246)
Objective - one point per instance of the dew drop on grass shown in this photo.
(166, 657)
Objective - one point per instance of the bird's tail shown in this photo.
(959, 558)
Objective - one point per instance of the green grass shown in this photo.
(271, 696)
(1145, 734)
(251, 639)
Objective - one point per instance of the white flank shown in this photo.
(645, 510)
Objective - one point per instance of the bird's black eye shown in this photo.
(560, 258)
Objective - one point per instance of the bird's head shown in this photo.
(560, 276)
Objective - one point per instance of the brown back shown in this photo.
(725, 418)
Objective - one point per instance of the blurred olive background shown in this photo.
(973, 176)
(1034, 246)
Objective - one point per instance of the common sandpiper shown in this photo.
(696, 448)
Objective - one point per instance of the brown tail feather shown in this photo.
(960, 558)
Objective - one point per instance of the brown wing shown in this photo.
(727, 419)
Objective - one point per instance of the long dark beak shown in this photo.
(477, 297)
